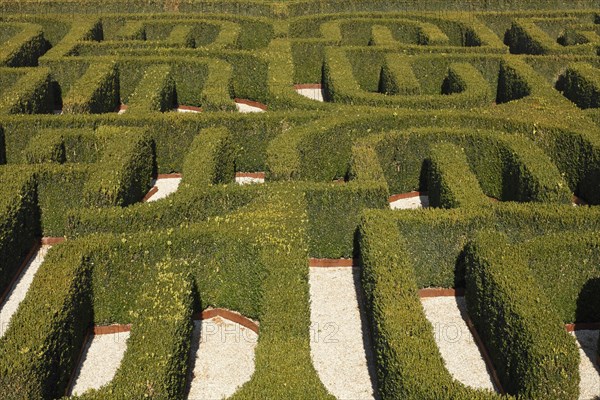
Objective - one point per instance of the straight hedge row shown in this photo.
(533, 354)
(97, 91)
(409, 364)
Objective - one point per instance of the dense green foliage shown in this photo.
(463, 104)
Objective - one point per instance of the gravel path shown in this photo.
(410, 203)
(313, 94)
(20, 288)
(338, 340)
(245, 180)
(100, 361)
(589, 386)
(166, 186)
(245, 108)
(223, 358)
(455, 341)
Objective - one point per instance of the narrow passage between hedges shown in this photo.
(222, 358)
(244, 178)
(340, 344)
(16, 293)
(589, 370)
(456, 343)
(100, 359)
(311, 91)
(163, 186)
(409, 201)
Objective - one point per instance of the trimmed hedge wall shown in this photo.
(450, 182)
(572, 291)
(210, 160)
(533, 354)
(581, 84)
(24, 48)
(409, 364)
(97, 91)
(19, 221)
(123, 174)
(42, 344)
(155, 92)
(31, 94)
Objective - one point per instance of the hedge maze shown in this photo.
(489, 112)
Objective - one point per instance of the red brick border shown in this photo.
(257, 175)
(51, 241)
(110, 329)
(169, 176)
(308, 86)
(579, 201)
(486, 356)
(251, 103)
(189, 108)
(408, 195)
(441, 292)
(150, 193)
(332, 262)
(228, 315)
(580, 326)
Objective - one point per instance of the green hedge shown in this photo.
(25, 47)
(123, 174)
(334, 213)
(47, 147)
(155, 92)
(508, 167)
(573, 292)
(409, 364)
(435, 239)
(158, 348)
(19, 221)
(42, 344)
(31, 94)
(533, 354)
(450, 181)
(581, 84)
(210, 160)
(97, 91)
(341, 86)
(182, 208)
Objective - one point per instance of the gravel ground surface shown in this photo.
(455, 341)
(338, 339)
(313, 94)
(100, 361)
(245, 180)
(20, 288)
(166, 186)
(245, 108)
(222, 358)
(410, 203)
(589, 386)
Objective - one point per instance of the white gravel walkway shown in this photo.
(246, 108)
(246, 180)
(166, 186)
(589, 386)
(313, 94)
(20, 288)
(410, 203)
(101, 359)
(455, 341)
(338, 339)
(223, 358)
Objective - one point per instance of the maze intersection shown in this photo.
(492, 115)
